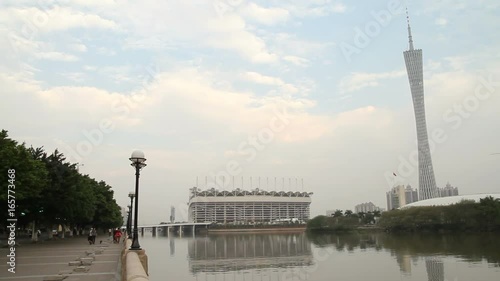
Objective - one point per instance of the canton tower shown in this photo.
(426, 182)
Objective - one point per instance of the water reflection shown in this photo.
(349, 257)
(226, 253)
(469, 247)
(435, 269)
(409, 249)
(172, 247)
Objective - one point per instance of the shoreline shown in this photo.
(257, 230)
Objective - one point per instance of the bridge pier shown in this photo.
(175, 228)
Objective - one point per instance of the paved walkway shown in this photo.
(51, 259)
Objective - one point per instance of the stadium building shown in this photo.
(245, 207)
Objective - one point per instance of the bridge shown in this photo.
(179, 227)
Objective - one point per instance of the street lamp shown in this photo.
(138, 162)
(129, 221)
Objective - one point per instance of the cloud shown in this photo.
(189, 93)
(359, 80)
(43, 19)
(297, 60)
(269, 80)
(56, 56)
(105, 51)
(192, 26)
(230, 33)
(79, 47)
(460, 62)
(441, 21)
(305, 8)
(266, 16)
(78, 77)
(295, 49)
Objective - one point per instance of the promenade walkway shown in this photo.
(50, 260)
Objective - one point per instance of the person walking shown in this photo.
(118, 235)
(94, 234)
(89, 238)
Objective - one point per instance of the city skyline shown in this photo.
(315, 90)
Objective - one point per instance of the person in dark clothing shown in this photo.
(89, 238)
(94, 235)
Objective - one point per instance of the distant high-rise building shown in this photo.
(366, 207)
(172, 214)
(426, 182)
(400, 195)
(396, 197)
(124, 212)
(448, 190)
(411, 195)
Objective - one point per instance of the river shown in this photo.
(349, 257)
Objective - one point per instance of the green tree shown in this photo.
(29, 183)
(51, 191)
(338, 213)
(317, 222)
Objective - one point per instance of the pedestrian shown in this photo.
(118, 235)
(89, 238)
(94, 235)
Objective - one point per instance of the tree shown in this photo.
(317, 222)
(337, 213)
(368, 218)
(49, 190)
(28, 182)
(348, 213)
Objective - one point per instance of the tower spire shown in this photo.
(410, 39)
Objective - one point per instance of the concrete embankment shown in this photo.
(134, 264)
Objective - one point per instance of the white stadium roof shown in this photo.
(445, 201)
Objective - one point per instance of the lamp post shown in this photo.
(129, 222)
(138, 162)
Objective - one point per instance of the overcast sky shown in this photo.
(294, 89)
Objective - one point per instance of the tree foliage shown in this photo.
(466, 215)
(50, 190)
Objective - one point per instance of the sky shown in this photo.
(304, 91)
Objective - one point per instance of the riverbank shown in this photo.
(340, 230)
(267, 230)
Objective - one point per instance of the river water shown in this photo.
(351, 257)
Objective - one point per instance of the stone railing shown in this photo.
(134, 264)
